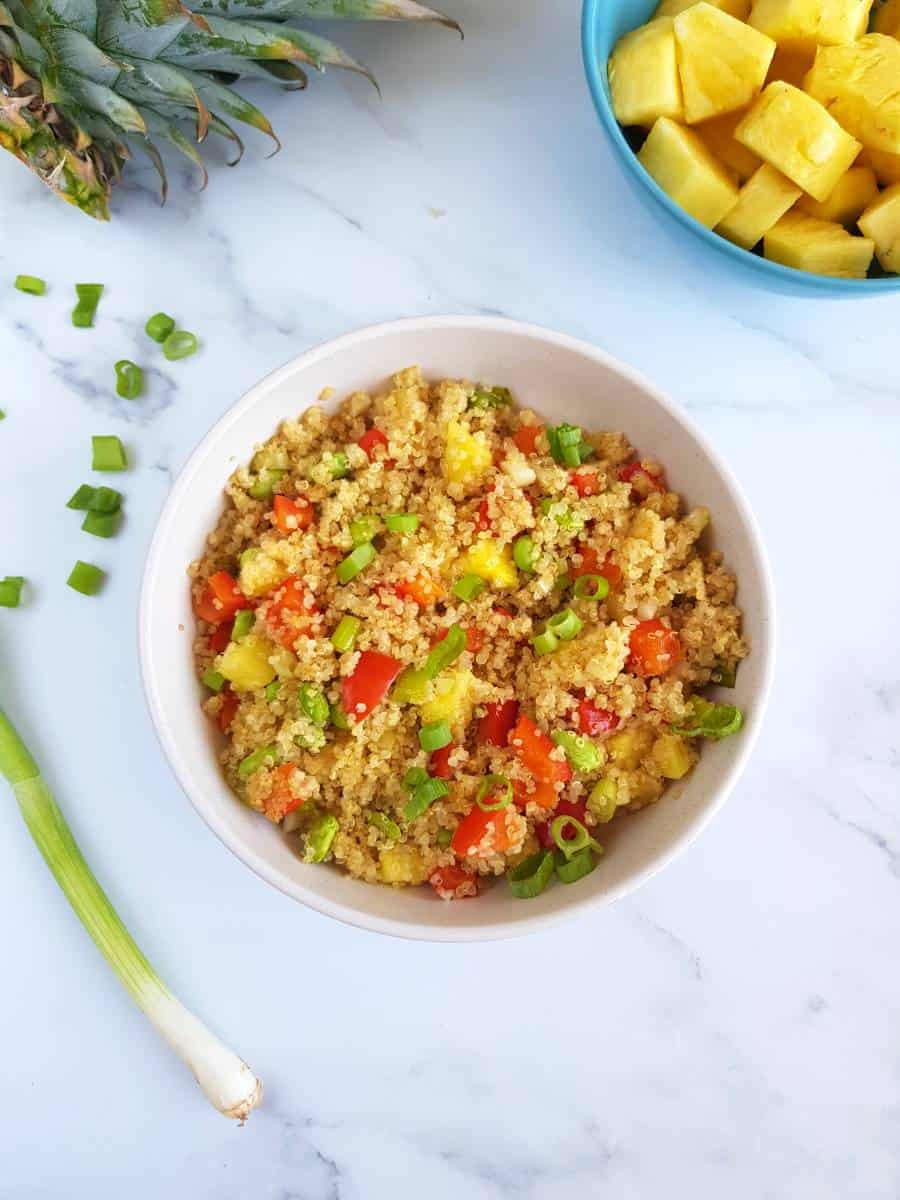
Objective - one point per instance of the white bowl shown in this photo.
(563, 379)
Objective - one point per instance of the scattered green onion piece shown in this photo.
(710, 720)
(314, 705)
(364, 529)
(159, 326)
(213, 680)
(102, 524)
(272, 689)
(2, 415)
(263, 485)
(243, 623)
(129, 379)
(82, 498)
(435, 736)
(345, 633)
(11, 591)
(562, 582)
(104, 500)
(30, 284)
(591, 587)
(414, 777)
(571, 846)
(488, 786)
(445, 652)
(724, 673)
(320, 836)
(180, 344)
(411, 686)
(339, 465)
(468, 587)
(565, 625)
(581, 752)
(85, 310)
(570, 870)
(545, 643)
(495, 397)
(108, 453)
(565, 517)
(568, 435)
(444, 837)
(86, 578)
(339, 718)
(529, 878)
(567, 445)
(603, 800)
(385, 825)
(262, 756)
(357, 560)
(401, 522)
(423, 797)
(523, 553)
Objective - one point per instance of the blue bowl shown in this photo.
(602, 24)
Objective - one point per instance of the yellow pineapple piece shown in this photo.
(718, 134)
(794, 133)
(491, 561)
(452, 701)
(722, 62)
(763, 200)
(628, 748)
(791, 64)
(671, 755)
(466, 455)
(885, 19)
(886, 166)
(860, 87)
(854, 191)
(259, 573)
(807, 23)
(683, 167)
(246, 665)
(739, 9)
(402, 865)
(881, 223)
(820, 247)
(643, 75)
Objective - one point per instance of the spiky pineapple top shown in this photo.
(86, 83)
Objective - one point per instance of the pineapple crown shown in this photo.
(84, 84)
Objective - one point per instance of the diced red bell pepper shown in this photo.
(495, 726)
(586, 483)
(655, 648)
(370, 440)
(225, 715)
(591, 565)
(369, 683)
(471, 830)
(593, 720)
(220, 599)
(289, 612)
(422, 588)
(453, 883)
(221, 636)
(565, 808)
(292, 514)
(503, 612)
(281, 799)
(483, 520)
(544, 795)
(534, 749)
(642, 481)
(526, 436)
(439, 763)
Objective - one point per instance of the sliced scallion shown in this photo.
(108, 453)
(357, 560)
(709, 720)
(263, 485)
(434, 736)
(244, 621)
(159, 326)
(345, 633)
(384, 825)
(129, 379)
(11, 591)
(262, 756)
(364, 529)
(339, 465)
(85, 310)
(564, 625)
(529, 878)
(30, 284)
(180, 344)
(570, 870)
(413, 777)
(102, 524)
(579, 840)
(81, 500)
(213, 680)
(591, 587)
(86, 578)
(401, 522)
(490, 785)
(445, 652)
(272, 689)
(104, 500)
(545, 643)
(468, 587)
(581, 752)
(423, 797)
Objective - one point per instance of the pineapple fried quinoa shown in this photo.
(445, 642)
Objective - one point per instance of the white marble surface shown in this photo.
(732, 1029)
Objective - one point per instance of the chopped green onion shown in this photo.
(2, 415)
(445, 652)
(565, 517)
(423, 797)
(262, 756)
(710, 720)
(488, 786)
(411, 686)
(401, 522)
(82, 498)
(603, 800)
(545, 643)
(102, 524)
(468, 587)
(314, 705)
(364, 529)
(724, 673)
(570, 870)
(385, 825)
(523, 553)
(159, 326)
(108, 453)
(435, 736)
(11, 591)
(562, 582)
(565, 625)
(179, 344)
(339, 718)
(444, 837)
(263, 485)
(495, 397)
(272, 689)
(529, 878)
(591, 587)
(213, 680)
(414, 777)
(86, 578)
(346, 633)
(339, 465)
(581, 752)
(129, 379)
(319, 837)
(572, 845)
(357, 560)
(88, 298)
(567, 445)
(104, 500)
(30, 284)
(243, 623)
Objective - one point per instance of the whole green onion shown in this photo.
(102, 524)
(385, 825)
(314, 705)
(401, 522)
(86, 578)
(345, 633)
(243, 623)
(364, 529)
(129, 379)
(545, 643)
(468, 587)
(357, 560)
(108, 453)
(180, 344)
(570, 870)
(85, 310)
(262, 756)
(159, 326)
(581, 752)
(423, 797)
(529, 878)
(213, 680)
(523, 553)
(488, 786)
(320, 836)
(565, 625)
(435, 736)
(11, 591)
(591, 587)
(30, 284)
(227, 1082)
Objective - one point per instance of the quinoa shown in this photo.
(315, 736)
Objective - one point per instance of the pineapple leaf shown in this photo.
(148, 148)
(324, 52)
(144, 28)
(150, 82)
(60, 86)
(163, 127)
(221, 99)
(244, 39)
(80, 15)
(75, 52)
(354, 10)
(223, 129)
(288, 74)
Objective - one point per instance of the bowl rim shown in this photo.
(178, 761)
(826, 284)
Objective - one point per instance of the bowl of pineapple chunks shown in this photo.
(769, 128)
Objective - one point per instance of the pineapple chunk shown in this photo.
(860, 87)
(853, 192)
(886, 19)
(246, 664)
(791, 64)
(820, 247)
(402, 865)
(259, 573)
(718, 134)
(628, 748)
(672, 757)
(452, 701)
(739, 9)
(722, 62)
(803, 24)
(643, 75)
(885, 166)
(466, 455)
(794, 133)
(881, 223)
(683, 167)
(763, 200)
(490, 561)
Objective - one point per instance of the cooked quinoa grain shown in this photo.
(565, 669)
